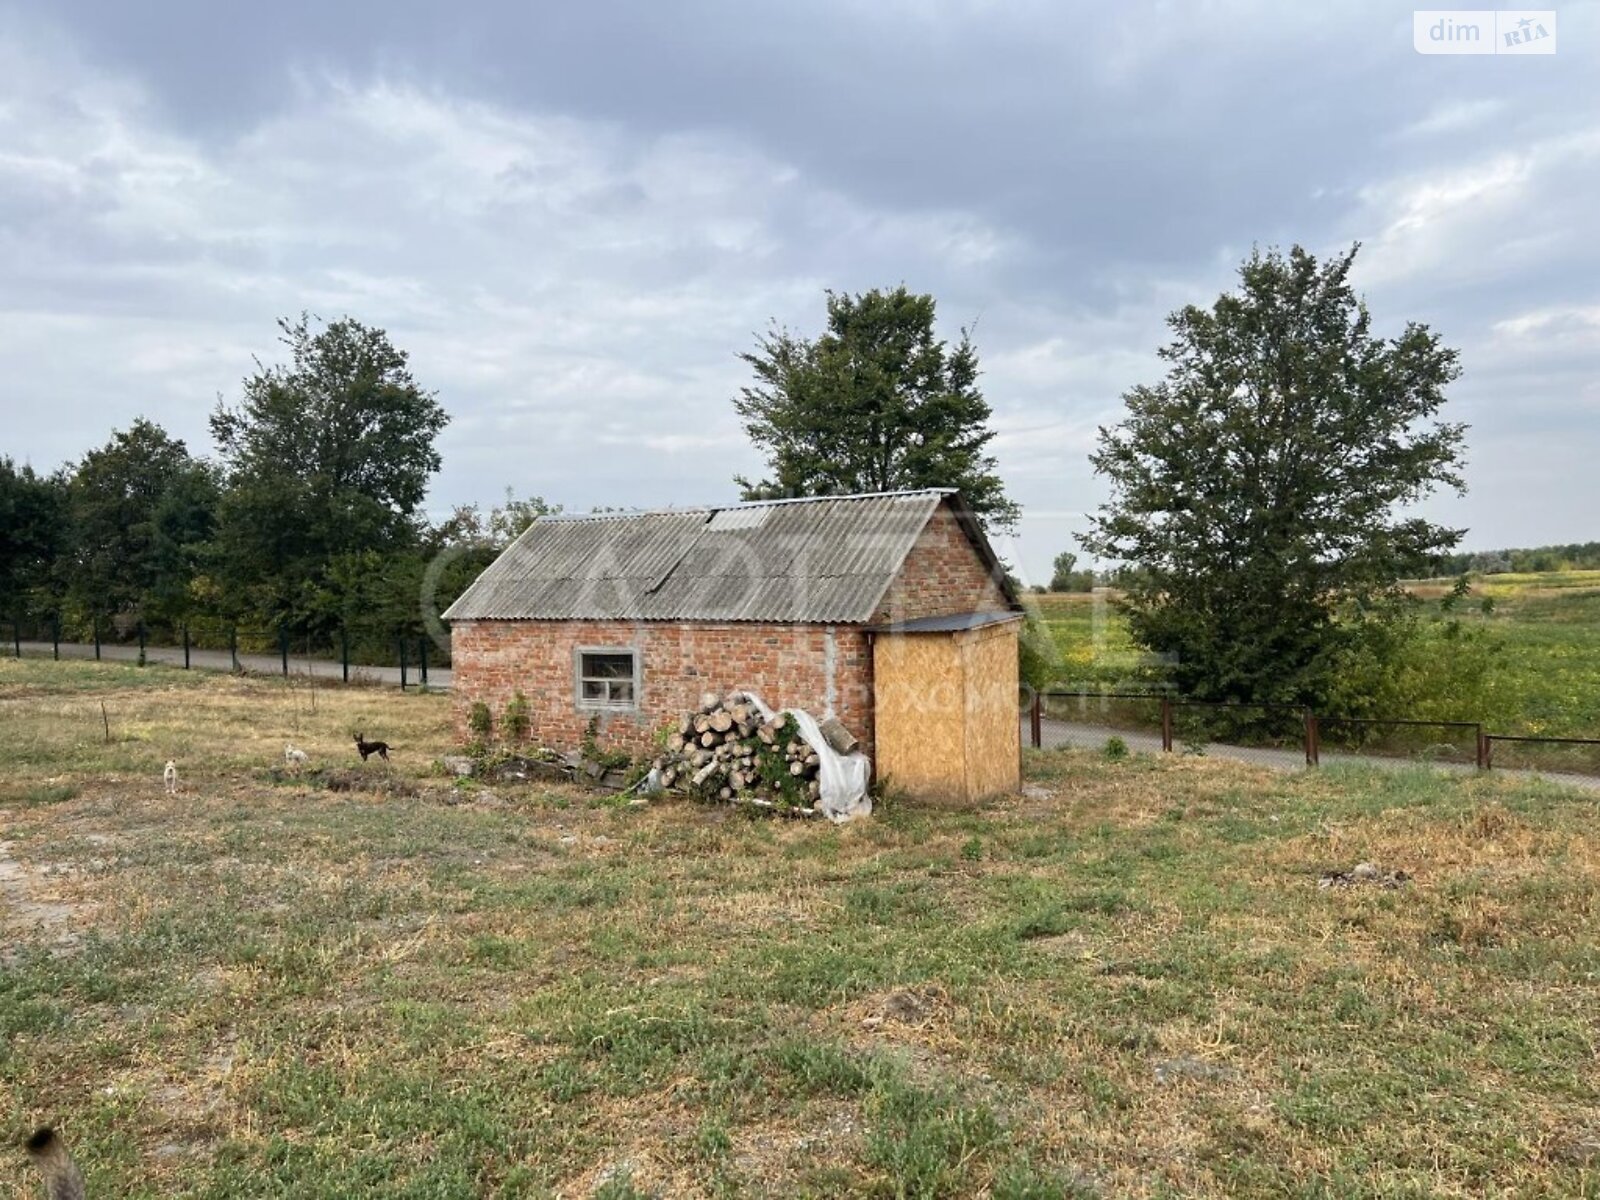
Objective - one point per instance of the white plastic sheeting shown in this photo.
(843, 777)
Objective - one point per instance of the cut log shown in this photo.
(709, 739)
(766, 735)
(837, 736)
(705, 773)
(721, 721)
(797, 769)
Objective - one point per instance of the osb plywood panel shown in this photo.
(993, 746)
(920, 714)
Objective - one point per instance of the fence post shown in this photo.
(1166, 724)
(344, 651)
(141, 643)
(16, 636)
(233, 645)
(1488, 751)
(186, 645)
(422, 659)
(1313, 740)
(55, 637)
(402, 664)
(96, 621)
(1036, 721)
(283, 649)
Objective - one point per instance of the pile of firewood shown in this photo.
(728, 751)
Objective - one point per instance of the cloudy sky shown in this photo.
(574, 216)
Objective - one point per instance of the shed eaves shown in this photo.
(826, 559)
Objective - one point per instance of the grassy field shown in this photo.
(1125, 982)
(1546, 678)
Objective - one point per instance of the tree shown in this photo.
(328, 456)
(33, 514)
(468, 527)
(876, 403)
(140, 508)
(1261, 487)
(1064, 578)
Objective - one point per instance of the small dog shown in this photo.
(364, 748)
(62, 1179)
(169, 776)
(294, 757)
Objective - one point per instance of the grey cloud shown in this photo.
(576, 216)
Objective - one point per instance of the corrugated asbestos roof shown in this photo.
(826, 559)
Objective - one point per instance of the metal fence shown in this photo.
(1279, 733)
(208, 643)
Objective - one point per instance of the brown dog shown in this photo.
(62, 1179)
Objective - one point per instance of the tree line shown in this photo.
(308, 521)
(1574, 556)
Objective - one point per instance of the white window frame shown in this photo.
(578, 679)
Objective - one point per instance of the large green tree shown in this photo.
(328, 457)
(1265, 487)
(876, 403)
(141, 509)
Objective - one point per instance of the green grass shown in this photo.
(1546, 675)
(270, 989)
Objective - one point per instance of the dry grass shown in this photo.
(1125, 983)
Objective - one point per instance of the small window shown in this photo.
(607, 678)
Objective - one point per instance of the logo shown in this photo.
(1484, 31)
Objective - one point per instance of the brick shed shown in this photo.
(633, 617)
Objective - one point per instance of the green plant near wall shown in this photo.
(515, 722)
(480, 720)
(610, 760)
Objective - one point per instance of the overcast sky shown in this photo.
(575, 216)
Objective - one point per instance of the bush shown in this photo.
(1116, 749)
(1425, 666)
(516, 723)
(480, 720)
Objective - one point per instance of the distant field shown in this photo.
(1547, 675)
(1124, 983)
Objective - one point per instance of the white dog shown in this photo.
(169, 776)
(294, 757)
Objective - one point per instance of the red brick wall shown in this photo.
(783, 664)
(942, 576)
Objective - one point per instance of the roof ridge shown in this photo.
(670, 511)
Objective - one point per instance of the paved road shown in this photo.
(219, 660)
(1072, 733)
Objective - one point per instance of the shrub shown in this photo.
(516, 723)
(1116, 749)
(480, 720)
